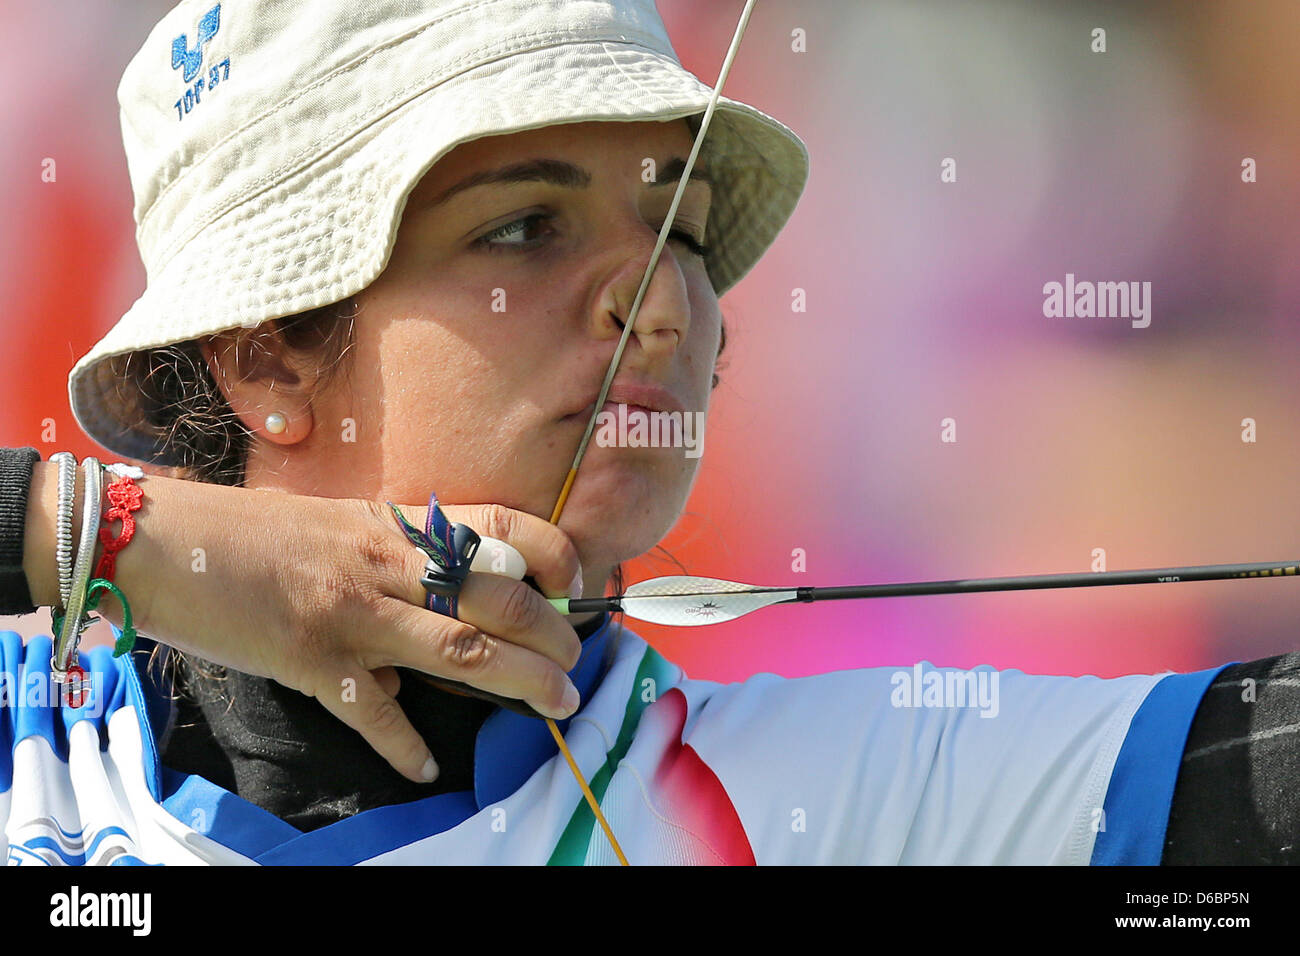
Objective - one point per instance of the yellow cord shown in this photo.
(555, 731)
(564, 495)
(586, 791)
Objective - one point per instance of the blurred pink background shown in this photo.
(924, 302)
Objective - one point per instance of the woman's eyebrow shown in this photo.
(671, 172)
(556, 172)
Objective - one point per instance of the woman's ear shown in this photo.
(259, 382)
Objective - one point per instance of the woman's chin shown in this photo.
(619, 510)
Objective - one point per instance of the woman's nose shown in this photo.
(662, 313)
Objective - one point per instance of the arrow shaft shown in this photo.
(1033, 582)
(1085, 579)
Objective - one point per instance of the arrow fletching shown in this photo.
(685, 601)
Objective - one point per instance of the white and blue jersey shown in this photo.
(910, 765)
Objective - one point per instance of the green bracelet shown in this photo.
(127, 640)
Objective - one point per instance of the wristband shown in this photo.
(63, 540)
(125, 496)
(63, 660)
(15, 486)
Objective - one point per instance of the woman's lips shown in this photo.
(645, 398)
(611, 407)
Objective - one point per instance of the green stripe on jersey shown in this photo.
(571, 850)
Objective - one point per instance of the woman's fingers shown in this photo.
(389, 680)
(460, 651)
(552, 559)
(508, 609)
(359, 700)
(508, 640)
(501, 606)
(512, 610)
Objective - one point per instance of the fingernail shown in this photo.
(575, 589)
(429, 771)
(571, 699)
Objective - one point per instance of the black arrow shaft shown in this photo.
(1083, 579)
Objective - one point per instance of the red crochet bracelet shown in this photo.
(125, 496)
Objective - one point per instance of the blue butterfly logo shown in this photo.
(192, 60)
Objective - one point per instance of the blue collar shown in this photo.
(508, 749)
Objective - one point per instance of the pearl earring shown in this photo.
(276, 423)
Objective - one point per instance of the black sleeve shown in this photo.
(15, 483)
(1237, 798)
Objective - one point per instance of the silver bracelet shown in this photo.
(63, 548)
(64, 656)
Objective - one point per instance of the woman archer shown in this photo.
(391, 250)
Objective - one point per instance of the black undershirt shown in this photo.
(284, 752)
(1236, 801)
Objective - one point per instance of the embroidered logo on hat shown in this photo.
(192, 60)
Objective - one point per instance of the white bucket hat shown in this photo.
(272, 145)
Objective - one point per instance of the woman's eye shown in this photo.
(517, 233)
(690, 242)
(522, 233)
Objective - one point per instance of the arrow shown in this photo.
(685, 601)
